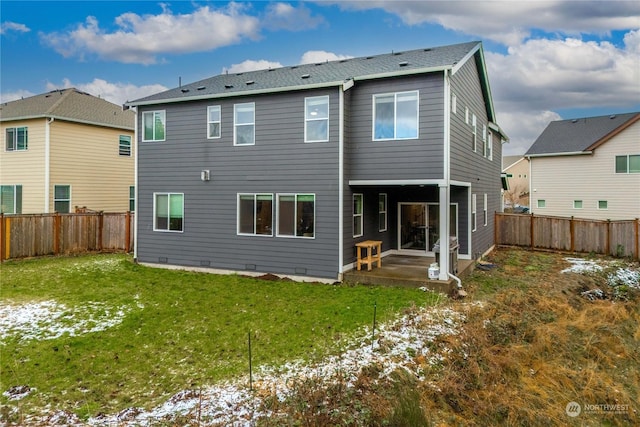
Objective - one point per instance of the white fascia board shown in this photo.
(377, 182)
(460, 183)
(66, 119)
(569, 153)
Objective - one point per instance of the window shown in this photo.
(357, 215)
(628, 164)
(382, 212)
(62, 198)
(474, 129)
(395, 116)
(484, 140)
(255, 214)
(244, 128)
(168, 211)
(473, 212)
(17, 139)
(485, 212)
(542, 203)
(466, 115)
(490, 146)
(454, 103)
(10, 199)
(124, 146)
(316, 119)
(213, 122)
(577, 204)
(602, 204)
(296, 215)
(132, 198)
(153, 125)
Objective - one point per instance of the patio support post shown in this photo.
(444, 232)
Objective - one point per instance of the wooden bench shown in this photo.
(369, 245)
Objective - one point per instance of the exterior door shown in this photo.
(412, 218)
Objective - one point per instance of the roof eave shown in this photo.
(67, 119)
(567, 153)
(614, 132)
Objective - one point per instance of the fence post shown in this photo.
(2, 248)
(127, 232)
(637, 238)
(607, 245)
(572, 230)
(100, 227)
(495, 227)
(56, 233)
(533, 246)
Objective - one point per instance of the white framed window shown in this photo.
(214, 122)
(628, 163)
(490, 146)
(474, 135)
(577, 204)
(296, 215)
(62, 198)
(485, 211)
(358, 211)
(255, 214)
(132, 198)
(473, 212)
(10, 199)
(382, 212)
(244, 126)
(395, 116)
(484, 140)
(17, 139)
(466, 115)
(603, 205)
(153, 126)
(168, 212)
(316, 119)
(542, 203)
(454, 103)
(124, 146)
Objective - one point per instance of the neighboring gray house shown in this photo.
(284, 170)
(587, 168)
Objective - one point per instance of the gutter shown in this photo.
(568, 153)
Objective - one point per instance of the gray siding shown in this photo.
(279, 162)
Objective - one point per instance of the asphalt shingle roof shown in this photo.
(69, 104)
(319, 74)
(576, 135)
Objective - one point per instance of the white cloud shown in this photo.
(316, 56)
(140, 39)
(523, 127)
(117, 93)
(13, 96)
(251, 65)
(13, 26)
(283, 16)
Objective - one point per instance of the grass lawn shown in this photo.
(177, 329)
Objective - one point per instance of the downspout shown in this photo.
(47, 161)
(135, 188)
(340, 181)
(444, 188)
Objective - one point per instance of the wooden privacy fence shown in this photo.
(52, 234)
(615, 238)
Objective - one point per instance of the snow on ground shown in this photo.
(620, 274)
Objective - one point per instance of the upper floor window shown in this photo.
(316, 119)
(168, 211)
(153, 125)
(255, 214)
(10, 199)
(395, 116)
(244, 126)
(62, 198)
(213, 121)
(490, 146)
(17, 139)
(628, 164)
(357, 215)
(124, 145)
(296, 215)
(454, 103)
(474, 133)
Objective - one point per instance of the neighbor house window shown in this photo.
(62, 198)
(213, 121)
(382, 212)
(395, 116)
(168, 211)
(602, 204)
(124, 145)
(628, 164)
(357, 215)
(132, 198)
(316, 119)
(17, 139)
(153, 125)
(454, 103)
(10, 199)
(577, 204)
(473, 212)
(255, 214)
(296, 215)
(485, 211)
(542, 203)
(244, 127)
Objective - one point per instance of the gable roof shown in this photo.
(328, 74)
(70, 105)
(579, 136)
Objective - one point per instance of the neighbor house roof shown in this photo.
(579, 136)
(70, 105)
(329, 73)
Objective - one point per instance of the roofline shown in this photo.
(614, 132)
(568, 153)
(408, 72)
(514, 163)
(484, 77)
(65, 119)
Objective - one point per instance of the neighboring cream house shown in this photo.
(587, 168)
(516, 171)
(63, 150)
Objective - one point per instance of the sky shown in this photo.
(546, 60)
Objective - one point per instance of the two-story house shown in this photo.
(587, 168)
(516, 171)
(63, 149)
(284, 170)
